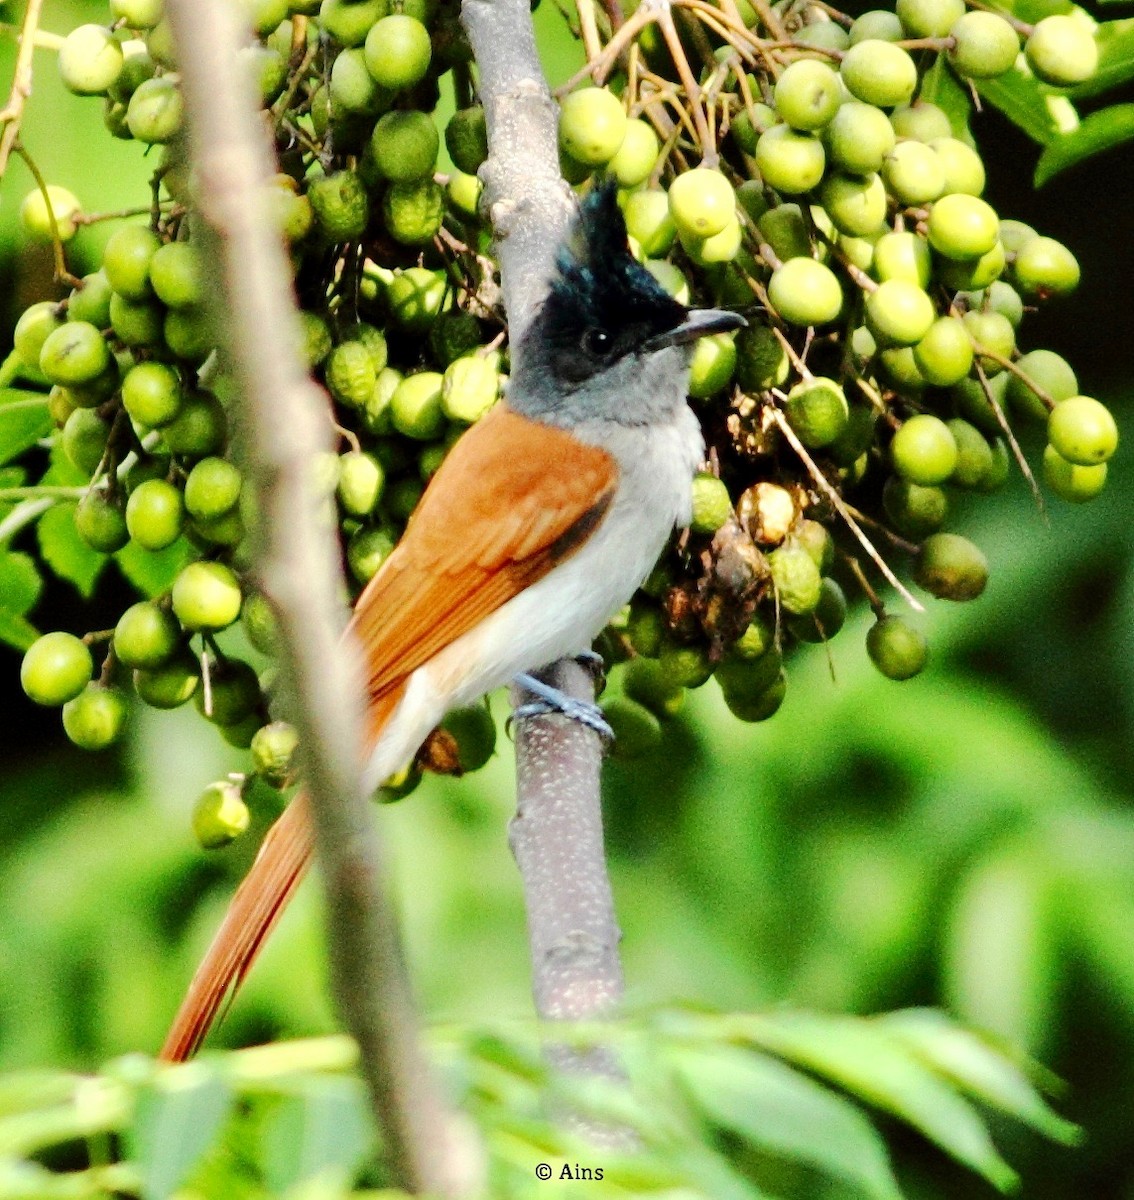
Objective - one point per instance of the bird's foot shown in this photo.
(552, 700)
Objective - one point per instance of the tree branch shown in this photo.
(556, 836)
(281, 424)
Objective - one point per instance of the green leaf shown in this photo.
(20, 585)
(941, 86)
(788, 1115)
(65, 552)
(177, 1119)
(985, 1073)
(874, 1065)
(1020, 98)
(152, 572)
(1102, 130)
(323, 1130)
(24, 419)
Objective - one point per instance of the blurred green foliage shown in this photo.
(965, 839)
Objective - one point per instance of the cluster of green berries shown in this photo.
(838, 201)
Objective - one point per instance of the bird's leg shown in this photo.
(595, 665)
(551, 700)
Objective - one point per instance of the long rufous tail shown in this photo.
(259, 902)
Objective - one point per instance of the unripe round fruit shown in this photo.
(790, 162)
(398, 51)
(404, 145)
(101, 523)
(950, 567)
(758, 708)
(671, 278)
(914, 173)
(858, 138)
(878, 24)
(36, 222)
(896, 648)
(474, 731)
(74, 354)
(126, 261)
(206, 595)
(90, 60)
(972, 403)
(272, 749)
(914, 511)
(944, 356)
(413, 211)
(827, 620)
(929, 18)
(155, 514)
(1082, 431)
(1062, 51)
(260, 624)
(962, 226)
(353, 89)
(32, 329)
(637, 156)
(169, 685)
(964, 170)
(466, 138)
(985, 45)
(198, 429)
(592, 125)
(1071, 481)
(176, 275)
(146, 636)
(785, 230)
(807, 94)
(998, 297)
(416, 296)
(1045, 267)
(973, 273)
(1049, 372)
(856, 205)
(805, 292)
(350, 374)
(415, 407)
(220, 815)
(712, 505)
(921, 122)
(137, 14)
(349, 21)
(796, 578)
(712, 366)
(95, 718)
(720, 248)
(367, 550)
(879, 73)
(637, 732)
(817, 410)
(1015, 235)
(994, 333)
(748, 676)
(856, 438)
(91, 302)
(923, 450)
(900, 368)
(340, 205)
(56, 668)
(135, 322)
(212, 488)
(974, 455)
(469, 388)
(360, 483)
(761, 360)
(701, 202)
(155, 111)
(899, 313)
(644, 680)
(151, 393)
(234, 693)
(85, 435)
(649, 223)
(684, 666)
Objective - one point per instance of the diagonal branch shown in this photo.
(281, 421)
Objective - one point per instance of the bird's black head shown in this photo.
(602, 304)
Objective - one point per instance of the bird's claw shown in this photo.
(551, 700)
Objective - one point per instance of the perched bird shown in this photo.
(540, 524)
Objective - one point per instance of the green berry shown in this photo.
(220, 815)
(273, 747)
(974, 455)
(91, 301)
(350, 374)
(136, 323)
(805, 292)
(1072, 481)
(858, 138)
(899, 313)
(896, 648)
(177, 275)
(398, 51)
(56, 668)
(233, 693)
(170, 684)
(817, 410)
(259, 621)
(353, 89)
(914, 173)
(985, 45)
(1051, 373)
(761, 361)
(137, 14)
(469, 388)
(90, 60)
(758, 708)
(340, 205)
(466, 138)
(155, 514)
(155, 111)
(712, 365)
(74, 354)
(970, 274)
(807, 94)
(974, 405)
(1082, 431)
(684, 666)
(32, 329)
(349, 21)
(592, 125)
(921, 122)
(645, 680)
(85, 435)
(100, 522)
(879, 73)
(796, 578)
(474, 731)
(404, 145)
(151, 393)
(637, 156)
(95, 718)
(368, 549)
(856, 204)
(992, 333)
(146, 636)
(790, 162)
(416, 296)
(415, 407)
(879, 24)
(929, 18)
(944, 356)
(212, 488)
(126, 261)
(1044, 267)
(35, 218)
(964, 170)
(950, 567)
(962, 227)
(1062, 51)
(413, 211)
(360, 483)
(637, 731)
(200, 428)
(914, 510)
(701, 202)
(923, 450)
(206, 595)
(649, 223)
(712, 505)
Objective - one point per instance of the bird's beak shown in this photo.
(698, 323)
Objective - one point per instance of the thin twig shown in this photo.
(12, 113)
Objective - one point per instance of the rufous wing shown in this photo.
(513, 498)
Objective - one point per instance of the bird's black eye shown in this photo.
(596, 342)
